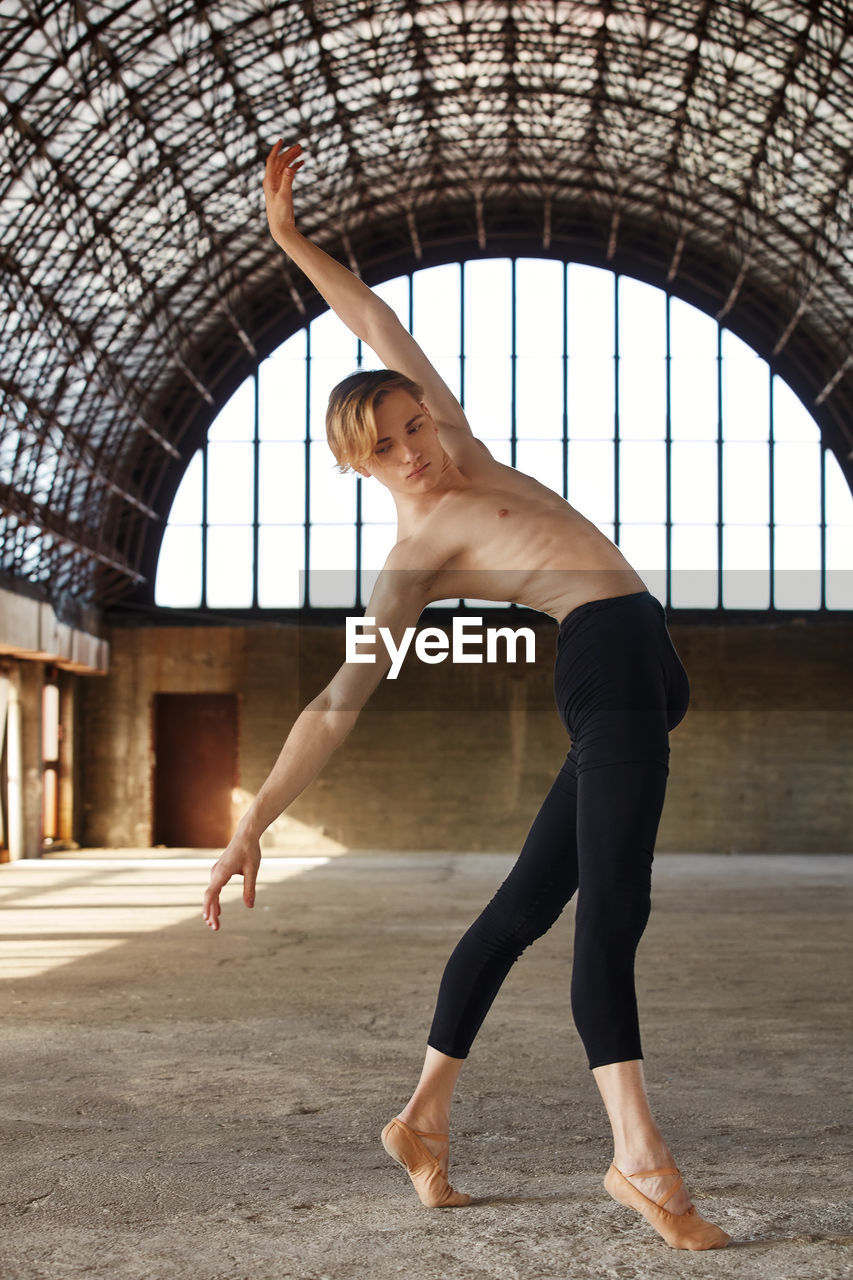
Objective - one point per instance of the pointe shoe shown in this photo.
(679, 1230)
(429, 1179)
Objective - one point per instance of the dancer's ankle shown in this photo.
(425, 1118)
(641, 1149)
(636, 1156)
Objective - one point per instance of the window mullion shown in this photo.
(513, 359)
(822, 523)
(616, 509)
(307, 550)
(204, 448)
(719, 466)
(566, 381)
(359, 603)
(771, 486)
(256, 504)
(462, 274)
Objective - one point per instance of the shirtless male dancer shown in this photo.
(469, 526)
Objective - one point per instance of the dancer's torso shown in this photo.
(505, 536)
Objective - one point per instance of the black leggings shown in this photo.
(620, 687)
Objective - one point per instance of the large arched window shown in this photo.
(661, 426)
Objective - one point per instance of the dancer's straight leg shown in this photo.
(533, 895)
(619, 809)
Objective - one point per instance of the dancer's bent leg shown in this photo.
(418, 1139)
(429, 1106)
(526, 905)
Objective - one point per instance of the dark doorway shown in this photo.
(195, 768)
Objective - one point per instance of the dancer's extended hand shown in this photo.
(241, 858)
(281, 167)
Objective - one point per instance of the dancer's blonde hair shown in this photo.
(350, 417)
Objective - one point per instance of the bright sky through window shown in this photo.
(665, 430)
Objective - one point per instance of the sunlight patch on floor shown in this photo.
(56, 911)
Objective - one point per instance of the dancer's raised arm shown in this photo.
(365, 314)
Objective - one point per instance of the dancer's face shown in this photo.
(408, 457)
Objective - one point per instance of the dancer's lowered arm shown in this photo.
(396, 603)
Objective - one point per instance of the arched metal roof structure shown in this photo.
(706, 145)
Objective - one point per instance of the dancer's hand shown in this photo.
(241, 858)
(281, 168)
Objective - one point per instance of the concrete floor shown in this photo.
(177, 1103)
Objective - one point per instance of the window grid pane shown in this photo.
(230, 567)
(281, 555)
(694, 565)
(694, 482)
(178, 583)
(281, 483)
(282, 390)
(187, 505)
(230, 483)
(236, 418)
(332, 575)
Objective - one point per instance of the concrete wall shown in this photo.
(459, 757)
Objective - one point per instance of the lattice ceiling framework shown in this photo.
(705, 146)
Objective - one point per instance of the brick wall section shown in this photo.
(459, 757)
